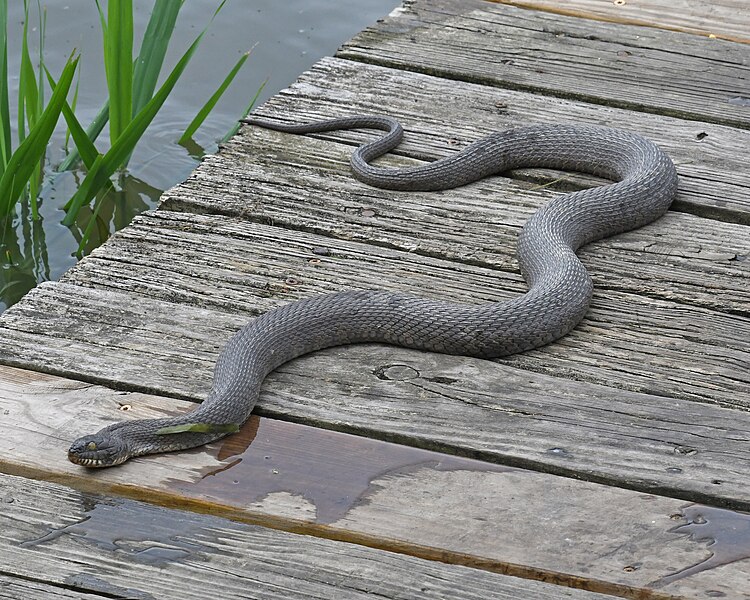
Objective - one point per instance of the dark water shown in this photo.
(288, 37)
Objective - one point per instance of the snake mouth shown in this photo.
(94, 462)
(86, 462)
(95, 453)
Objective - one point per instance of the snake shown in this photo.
(642, 183)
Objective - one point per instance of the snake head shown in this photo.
(102, 449)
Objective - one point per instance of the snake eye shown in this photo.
(91, 446)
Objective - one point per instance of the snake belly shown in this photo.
(560, 289)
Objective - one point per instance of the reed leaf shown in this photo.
(6, 147)
(215, 97)
(28, 92)
(92, 132)
(73, 105)
(31, 98)
(42, 34)
(31, 151)
(153, 50)
(88, 151)
(249, 107)
(118, 64)
(146, 67)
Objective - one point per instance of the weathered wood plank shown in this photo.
(478, 224)
(663, 261)
(725, 19)
(498, 518)
(640, 68)
(628, 341)
(136, 337)
(15, 588)
(710, 159)
(86, 545)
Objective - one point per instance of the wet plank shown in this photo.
(85, 545)
(152, 309)
(726, 19)
(639, 68)
(710, 158)
(449, 509)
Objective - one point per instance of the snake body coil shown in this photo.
(559, 286)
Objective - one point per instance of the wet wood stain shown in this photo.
(726, 532)
(146, 534)
(333, 471)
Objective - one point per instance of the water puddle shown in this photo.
(726, 532)
(145, 534)
(330, 470)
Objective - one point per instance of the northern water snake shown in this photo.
(559, 287)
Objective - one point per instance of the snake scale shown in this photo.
(560, 289)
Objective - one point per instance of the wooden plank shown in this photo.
(230, 264)
(710, 159)
(674, 351)
(639, 68)
(662, 261)
(449, 509)
(725, 19)
(312, 190)
(124, 327)
(85, 545)
(14, 588)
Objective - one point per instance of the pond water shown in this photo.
(288, 37)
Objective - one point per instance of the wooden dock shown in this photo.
(613, 463)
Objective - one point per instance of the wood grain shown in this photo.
(85, 545)
(725, 19)
(629, 399)
(639, 68)
(582, 534)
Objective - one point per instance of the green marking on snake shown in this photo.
(199, 428)
(560, 289)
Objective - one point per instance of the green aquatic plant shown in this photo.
(131, 107)
(133, 99)
(98, 200)
(21, 166)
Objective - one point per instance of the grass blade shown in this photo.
(73, 105)
(118, 62)
(92, 132)
(35, 181)
(85, 146)
(236, 127)
(42, 33)
(153, 50)
(28, 93)
(30, 152)
(208, 107)
(6, 147)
